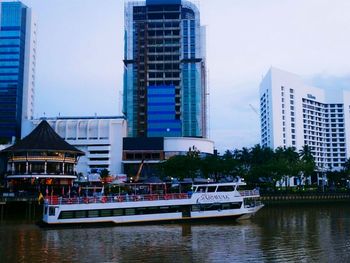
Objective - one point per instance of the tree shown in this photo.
(244, 161)
(336, 178)
(230, 165)
(175, 166)
(346, 166)
(287, 163)
(182, 166)
(193, 162)
(104, 173)
(212, 165)
(307, 162)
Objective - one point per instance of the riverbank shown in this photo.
(296, 198)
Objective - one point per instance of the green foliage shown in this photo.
(4, 140)
(181, 166)
(257, 165)
(104, 173)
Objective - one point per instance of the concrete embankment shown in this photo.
(305, 198)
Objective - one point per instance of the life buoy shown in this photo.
(103, 199)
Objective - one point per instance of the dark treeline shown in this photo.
(259, 166)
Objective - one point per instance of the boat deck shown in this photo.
(57, 200)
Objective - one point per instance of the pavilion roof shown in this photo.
(43, 138)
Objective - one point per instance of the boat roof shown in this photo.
(221, 184)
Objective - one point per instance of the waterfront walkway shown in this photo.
(304, 198)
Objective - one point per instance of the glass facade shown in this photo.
(12, 56)
(162, 54)
(161, 115)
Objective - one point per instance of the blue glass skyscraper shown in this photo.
(17, 68)
(165, 73)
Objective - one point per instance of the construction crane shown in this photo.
(137, 176)
(253, 108)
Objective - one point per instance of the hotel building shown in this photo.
(295, 114)
(17, 68)
(165, 71)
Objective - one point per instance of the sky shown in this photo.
(80, 51)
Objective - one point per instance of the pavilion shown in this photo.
(41, 159)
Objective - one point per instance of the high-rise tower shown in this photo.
(294, 114)
(165, 73)
(17, 68)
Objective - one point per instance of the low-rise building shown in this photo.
(150, 151)
(100, 138)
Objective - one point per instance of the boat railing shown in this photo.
(253, 192)
(56, 200)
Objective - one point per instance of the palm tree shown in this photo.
(307, 162)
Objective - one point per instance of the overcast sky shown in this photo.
(80, 52)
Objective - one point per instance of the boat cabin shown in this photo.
(212, 188)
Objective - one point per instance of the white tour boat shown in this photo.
(206, 201)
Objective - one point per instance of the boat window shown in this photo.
(66, 215)
(236, 205)
(106, 212)
(216, 206)
(45, 210)
(211, 189)
(141, 210)
(93, 213)
(129, 211)
(118, 212)
(225, 206)
(201, 189)
(225, 188)
(196, 208)
(80, 214)
(51, 211)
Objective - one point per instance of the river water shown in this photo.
(303, 233)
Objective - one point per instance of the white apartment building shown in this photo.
(101, 138)
(295, 114)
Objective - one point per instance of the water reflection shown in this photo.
(305, 233)
(279, 234)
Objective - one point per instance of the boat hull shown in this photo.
(177, 217)
(217, 219)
